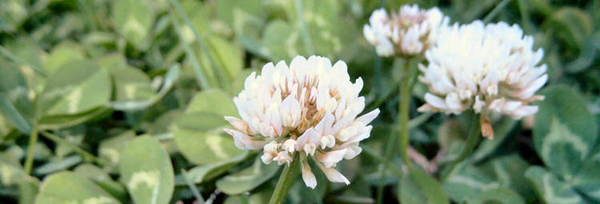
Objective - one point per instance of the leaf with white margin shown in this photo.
(587, 180)
(199, 131)
(468, 182)
(247, 179)
(69, 187)
(562, 151)
(200, 138)
(134, 91)
(76, 89)
(418, 187)
(550, 189)
(564, 130)
(146, 171)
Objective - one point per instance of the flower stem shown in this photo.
(473, 139)
(286, 180)
(495, 11)
(33, 137)
(406, 84)
(404, 109)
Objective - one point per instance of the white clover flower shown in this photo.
(309, 108)
(408, 32)
(490, 68)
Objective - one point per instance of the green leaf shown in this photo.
(63, 53)
(468, 183)
(200, 137)
(110, 149)
(281, 40)
(564, 130)
(550, 189)
(69, 187)
(134, 91)
(499, 195)
(77, 87)
(103, 180)
(419, 187)
(260, 197)
(12, 15)
(509, 171)
(575, 25)
(133, 20)
(212, 101)
(28, 190)
(202, 173)
(587, 181)
(199, 131)
(146, 170)
(247, 179)
(13, 115)
(15, 104)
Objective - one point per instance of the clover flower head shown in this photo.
(487, 68)
(407, 32)
(309, 108)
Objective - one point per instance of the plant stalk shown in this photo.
(473, 138)
(85, 154)
(404, 109)
(33, 137)
(406, 84)
(285, 182)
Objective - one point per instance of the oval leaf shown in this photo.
(147, 172)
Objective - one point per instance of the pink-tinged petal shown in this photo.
(237, 124)
(435, 101)
(333, 175)
(330, 159)
(244, 141)
(307, 175)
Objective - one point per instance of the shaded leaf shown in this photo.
(69, 187)
(247, 179)
(147, 172)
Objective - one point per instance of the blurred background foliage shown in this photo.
(123, 101)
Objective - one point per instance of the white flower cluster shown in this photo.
(489, 68)
(309, 109)
(408, 32)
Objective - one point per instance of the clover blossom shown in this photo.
(309, 109)
(408, 32)
(487, 68)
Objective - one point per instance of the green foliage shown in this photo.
(135, 92)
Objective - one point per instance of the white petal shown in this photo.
(333, 175)
(330, 159)
(244, 141)
(307, 175)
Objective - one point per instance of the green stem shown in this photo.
(85, 154)
(473, 139)
(405, 93)
(286, 180)
(33, 137)
(495, 11)
(406, 84)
